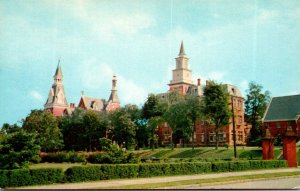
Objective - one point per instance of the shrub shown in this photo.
(25, 177)
(46, 175)
(63, 157)
(83, 173)
(220, 166)
(152, 169)
(20, 177)
(260, 164)
(239, 165)
(4, 178)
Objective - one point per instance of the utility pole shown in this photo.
(233, 129)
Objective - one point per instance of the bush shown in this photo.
(25, 177)
(153, 169)
(220, 166)
(261, 164)
(61, 157)
(83, 173)
(4, 178)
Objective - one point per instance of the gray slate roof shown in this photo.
(283, 108)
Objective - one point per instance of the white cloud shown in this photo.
(36, 95)
(130, 92)
(94, 75)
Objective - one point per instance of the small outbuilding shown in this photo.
(282, 118)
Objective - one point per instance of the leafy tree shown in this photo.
(95, 125)
(124, 129)
(17, 149)
(142, 132)
(178, 120)
(45, 126)
(194, 112)
(216, 107)
(255, 105)
(152, 111)
(73, 130)
(83, 129)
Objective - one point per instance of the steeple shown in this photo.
(58, 70)
(113, 96)
(181, 52)
(57, 102)
(113, 101)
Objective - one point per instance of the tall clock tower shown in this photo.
(182, 75)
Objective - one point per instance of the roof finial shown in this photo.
(82, 92)
(181, 52)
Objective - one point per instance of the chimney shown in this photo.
(198, 82)
(72, 105)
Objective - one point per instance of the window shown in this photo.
(202, 137)
(278, 125)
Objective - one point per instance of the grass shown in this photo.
(206, 153)
(204, 181)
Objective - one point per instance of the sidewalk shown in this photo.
(136, 181)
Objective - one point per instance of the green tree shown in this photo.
(194, 113)
(124, 129)
(17, 149)
(255, 106)
(142, 132)
(177, 117)
(152, 111)
(216, 107)
(83, 129)
(45, 126)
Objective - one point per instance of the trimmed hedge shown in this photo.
(13, 178)
(26, 177)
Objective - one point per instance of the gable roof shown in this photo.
(283, 108)
(91, 103)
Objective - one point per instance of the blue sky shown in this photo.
(229, 41)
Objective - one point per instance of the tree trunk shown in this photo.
(217, 138)
(193, 135)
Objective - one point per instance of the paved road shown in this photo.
(278, 183)
(124, 182)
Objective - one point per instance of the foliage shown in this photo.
(25, 177)
(180, 123)
(105, 144)
(103, 172)
(17, 149)
(45, 126)
(124, 129)
(61, 157)
(142, 132)
(216, 107)
(255, 105)
(83, 129)
(153, 110)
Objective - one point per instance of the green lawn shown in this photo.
(206, 153)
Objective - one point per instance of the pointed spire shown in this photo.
(181, 52)
(58, 71)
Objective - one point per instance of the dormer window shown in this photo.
(233, 90)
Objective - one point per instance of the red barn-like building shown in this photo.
(282, 118)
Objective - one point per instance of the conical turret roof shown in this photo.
(58, 71)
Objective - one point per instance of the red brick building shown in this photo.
(282, 118)
(204, 135)
(57, 102)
